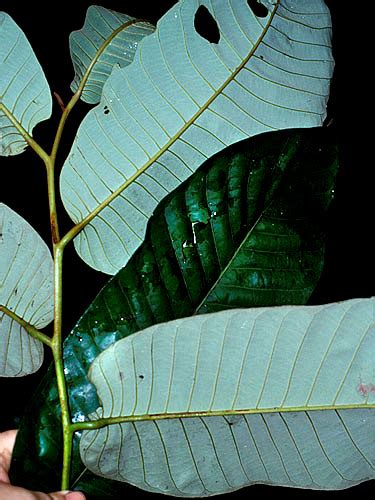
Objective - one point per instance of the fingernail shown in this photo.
(66, 494)
(71, 495)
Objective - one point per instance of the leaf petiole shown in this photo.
(23, 132)
(73, 101)
(31, 330)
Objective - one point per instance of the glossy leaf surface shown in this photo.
(24, 90)
(26, 288)
(259, 205)
(183, 99)
(239, 397)
(108, 38)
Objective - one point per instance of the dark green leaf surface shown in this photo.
(246, 230)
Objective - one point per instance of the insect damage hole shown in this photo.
(206, 26)
(106, 110)
(258, 8)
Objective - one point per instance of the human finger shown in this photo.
(9, 492)
(7, 440)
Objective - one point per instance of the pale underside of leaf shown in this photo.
(213, 403)
(109, 38)
(26, 288)
(24, 90)
(226, 196)
(183, 99)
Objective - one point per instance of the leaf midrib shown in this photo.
(249, 232)
(102, 422)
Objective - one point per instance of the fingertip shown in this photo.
(75, 495)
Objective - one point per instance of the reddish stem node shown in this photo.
(59, 101)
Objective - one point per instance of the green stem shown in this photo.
(57, 350)
(31, 330)
(82, 84)
(50, 168)
(58, 248)
(60, 128)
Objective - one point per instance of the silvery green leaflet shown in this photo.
(182, 100)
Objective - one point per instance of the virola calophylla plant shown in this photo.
(199, 182)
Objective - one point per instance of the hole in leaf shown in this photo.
(106, 110)
(206, 26)
(258, 9)
(141, 377)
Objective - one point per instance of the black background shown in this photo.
(348, 271)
